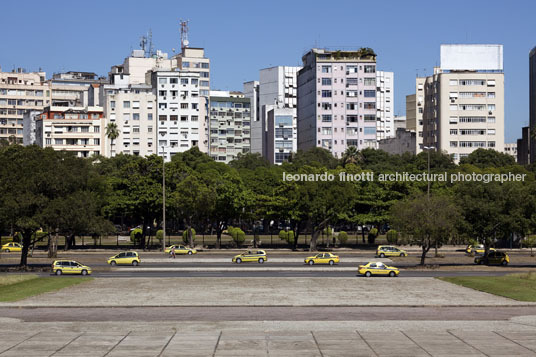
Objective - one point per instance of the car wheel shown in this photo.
(402, 255)
(311, 262)
(84, 272)
(504, 263)
(59, 272)
(392, 273)
(113, 263)
(331, 262)
(135, 262)
(7, 250)
(261, 260)
(189, 252)
(368, 274)
(382, 255)
(238, 261)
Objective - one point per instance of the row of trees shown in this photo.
(69, 196)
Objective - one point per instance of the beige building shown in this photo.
(462, 102)
(75, 129)
(19, 92)
(193, 60)
(511, 149)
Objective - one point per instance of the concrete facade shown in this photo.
(20, 91)
(29, 127)
(75, 129)
(463, 109)
(229, 126)
(511, 149)
(399, 122)
(281, 134)
(385, 87)
(337, 101)
(404, 141)
(180, 111)
(251, 91)
(194, 60)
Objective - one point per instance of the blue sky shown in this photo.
(242, 37)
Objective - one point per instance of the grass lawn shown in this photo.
(520, 287)
(17, 287)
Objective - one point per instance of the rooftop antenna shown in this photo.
(143, 45)
(150, 42)
(184, 33)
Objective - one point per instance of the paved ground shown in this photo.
(268, 313)
(306, 338)
(264, 292)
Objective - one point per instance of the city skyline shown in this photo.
(244, 38)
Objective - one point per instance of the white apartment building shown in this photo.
(193, 60)
(229, 125)
(511, 149)
(277, 88)
(29, 126)
(385, 85)
(20, 91)
(337, 100)
(281, 134)
(75, 129)
(414, 113)
(464, 100)
(180, 112)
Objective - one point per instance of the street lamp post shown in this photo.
(428, 148)
(163, 199)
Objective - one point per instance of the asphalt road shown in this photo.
(268, 313)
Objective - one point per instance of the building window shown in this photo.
(184, 80)
(369, 69)
(491, 131)
(491, 120)
(96, 141)
(112, 104)
(491, 107)
(150, 116)
(453, 131)
(326, 94)
(58, 141)
(126, 104)
(184, 105)
(326, 81)
(453, 144)
(369, 105)
(162, 117)
(453, 120)
(204, 65)
(453, 82)
(326, 131)
(326, 118)
(136, 104)
(491, 144)
(136, 116)
(326, 69)
(96, 129)
(369, 93)
(162, 80)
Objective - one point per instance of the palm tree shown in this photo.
(352, 156)
(112, 133)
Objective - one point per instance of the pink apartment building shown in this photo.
(337, 100)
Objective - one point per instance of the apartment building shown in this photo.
(337, 100)
(179, 110)
(276, 88)
(463, 107)
(281, 133)
(193, 60)
(75, 129)
(229, 125)
(511, 149)
(523, 147)
(399, 122)
(532, 104)
(385, 83)
(72, 89)
(20, 91)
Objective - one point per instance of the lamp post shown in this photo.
(428, 148)
(163, 199)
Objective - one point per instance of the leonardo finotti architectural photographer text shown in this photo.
(406, 177)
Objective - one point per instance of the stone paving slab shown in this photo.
(279, 291)
(234, 339)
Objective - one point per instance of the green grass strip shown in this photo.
(520, 287)
(37, 285)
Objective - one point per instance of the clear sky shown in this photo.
(241, 37)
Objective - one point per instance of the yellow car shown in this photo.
(390, 251)
(377, 268)
(60, 267)
(11, 247)
(477, 249)
(322, 258)
(181, 249)
(251, 256)
(128, 258)
(495, 258)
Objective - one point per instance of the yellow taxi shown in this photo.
(60, 267)
(477, 249)
(251, 256)
(377, 268)
(494, 258)
(322, 258)
(11, 247)
(181, 249)
(390, 251)
(125, 258)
